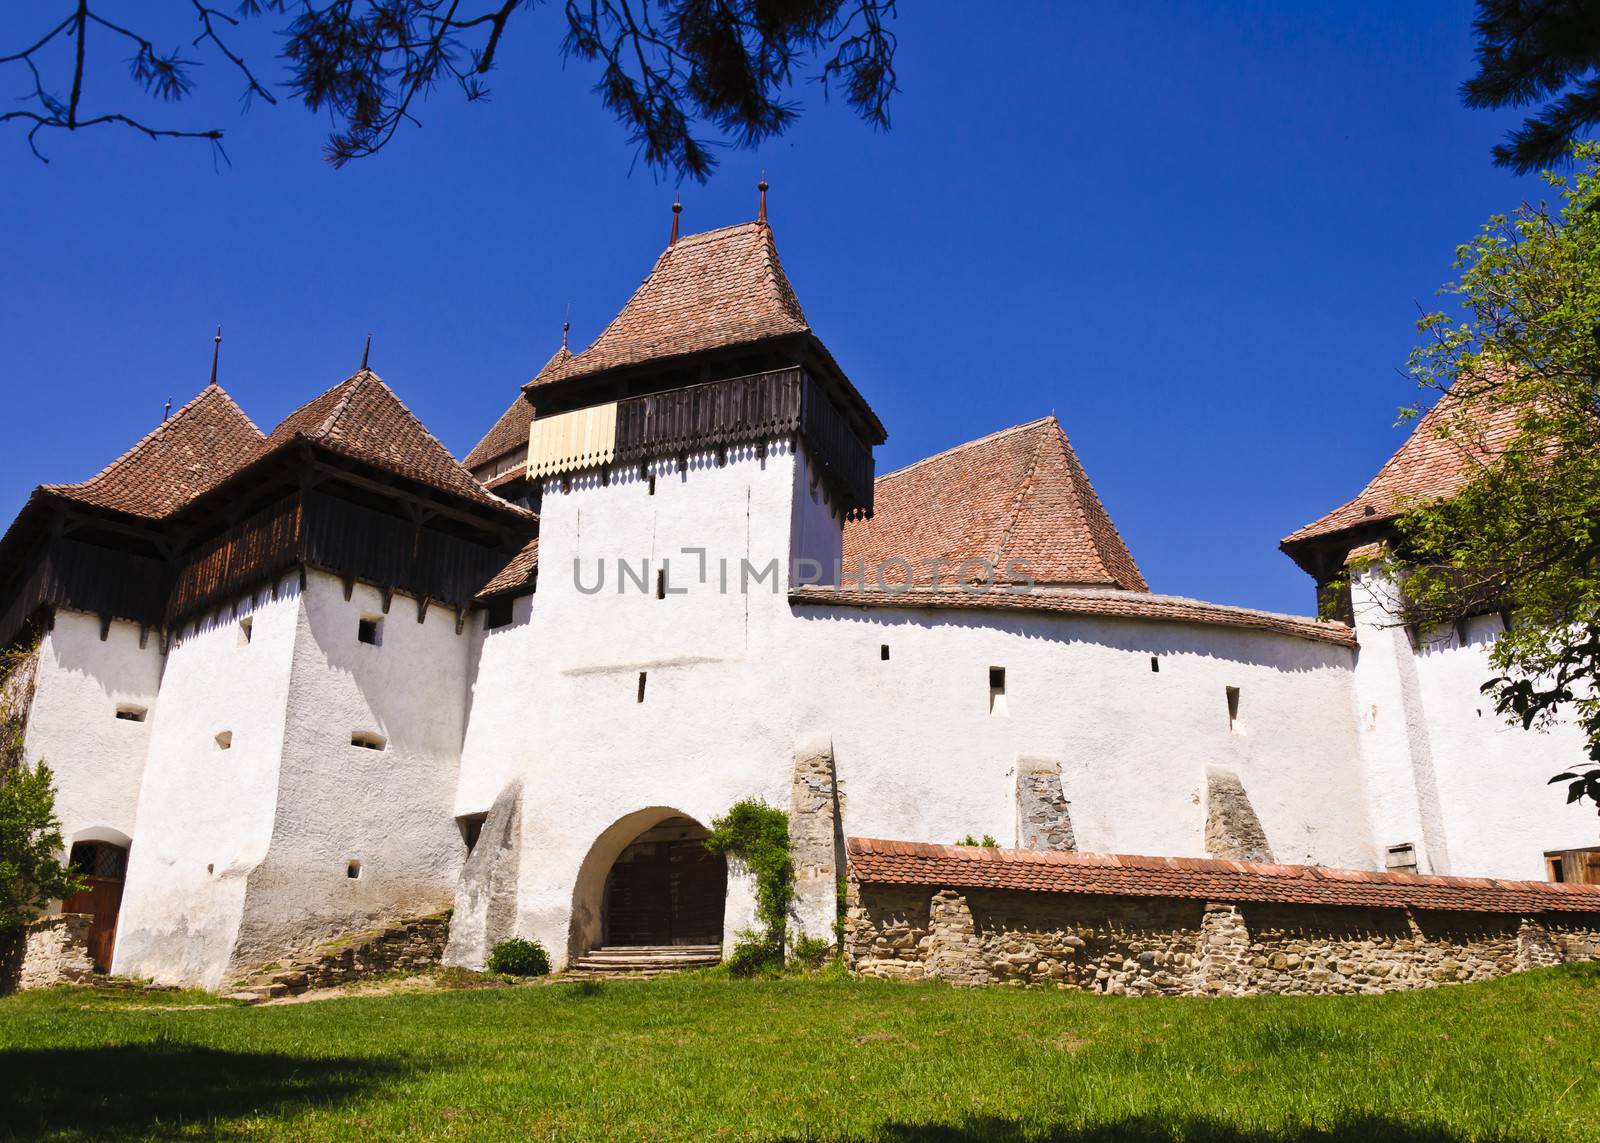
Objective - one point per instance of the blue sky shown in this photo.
(1198, 233)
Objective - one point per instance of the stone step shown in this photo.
(647, 962)
(630, 950)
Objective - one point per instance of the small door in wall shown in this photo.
(104, 867)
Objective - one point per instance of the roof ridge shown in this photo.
(166, 423)
(1092, 506)
(996, 435)
(1023, 488)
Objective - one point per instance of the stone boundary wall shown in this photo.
(1177, 947)
(1194, 927)
(56, 951)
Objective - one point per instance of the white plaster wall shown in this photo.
(98, 759)
(715, 726)
(1393, 732)
(390, 809)
(1499, 811)
(1445, 773)
(205, 814)
(921, 757)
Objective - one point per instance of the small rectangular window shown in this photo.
(367, 740)
(641, 687)
(245, 626)
(352, 870)
(652, 483)
(370, 630)
(661, 583)
(128, 713)
(1233, 710)
(1401, 858)
(497, 614)
(224, 740)
(1155, 664)
(883, 652)
(1557, 868)
(997, 690)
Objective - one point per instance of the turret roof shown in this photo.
(193, 450)
(706, 291)
(1017, 495)
(362, 418)
(1448, 446)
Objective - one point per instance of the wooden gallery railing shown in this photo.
(87, 577)
(748, 410)
(315, 529)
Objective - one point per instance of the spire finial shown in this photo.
(566, 324)
(677, 209)
(166, 410)
(216, 351)
(366, 351)
(761, 215)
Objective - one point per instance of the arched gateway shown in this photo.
(648, 882)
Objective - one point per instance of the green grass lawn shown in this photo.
(820, 1058)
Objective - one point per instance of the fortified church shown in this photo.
(297, 683)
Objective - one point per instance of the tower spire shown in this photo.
(216, 351)
(677, 209)
(365, 351)
(761, 215)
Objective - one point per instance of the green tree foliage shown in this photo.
(31, 873)
(368, 65)
(1520, 363)
(1533, 50)
(755, 836)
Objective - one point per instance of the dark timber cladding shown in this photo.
(744, 410)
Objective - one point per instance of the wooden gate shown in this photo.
(666, 893)
(104, 866)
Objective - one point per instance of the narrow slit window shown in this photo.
(245, 631)
(1233, 710)
(471, 826)
(997, 690)
(352, 870)
(652, 484)
(640, 697)
(883, 652)
(370, 630)
(129, 713)
(661, 583)
(1155, 665)
(367, 740)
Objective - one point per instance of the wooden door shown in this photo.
(104, 867)
(666, 893)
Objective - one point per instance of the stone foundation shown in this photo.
(1185, 947)
(411, 945)
(56, 951)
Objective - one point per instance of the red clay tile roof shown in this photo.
(707, 291)
(1045, 871)
(511, 430)
(1109, 604)
(1429, 465)
(362, 418)
(1019, 494)
(193, 450)
(516, 575)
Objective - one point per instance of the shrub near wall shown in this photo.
(1145, 943)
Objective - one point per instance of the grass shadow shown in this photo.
(1161, 1129)
(134, 1090)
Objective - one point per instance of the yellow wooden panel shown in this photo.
(568, 442)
